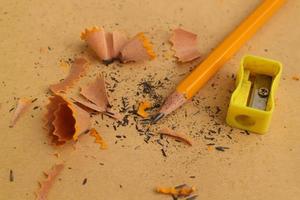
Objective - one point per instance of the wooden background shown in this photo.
(38, 36)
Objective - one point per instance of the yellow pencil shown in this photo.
(205, 70)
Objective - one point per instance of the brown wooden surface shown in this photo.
(254, 167)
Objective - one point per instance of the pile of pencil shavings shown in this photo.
(66, 117)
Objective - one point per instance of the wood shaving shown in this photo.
(46, 185)
(110, 46)
(138, 48)
(184, 45)
(119, 40)
(142, 107)
(78, 69)
(64, 120)
(95, 93)
(178, 136)
(22, 106)
(87, 104)
(98, 139)
(179, 192)
(106, 45)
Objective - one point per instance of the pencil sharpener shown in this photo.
(252, 102)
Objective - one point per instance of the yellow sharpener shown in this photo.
(252, 103)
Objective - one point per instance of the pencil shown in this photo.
(205, 70)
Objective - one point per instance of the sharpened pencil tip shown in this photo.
(157, 117)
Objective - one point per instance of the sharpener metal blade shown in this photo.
(260, 91)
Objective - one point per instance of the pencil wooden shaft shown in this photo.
(204, 71)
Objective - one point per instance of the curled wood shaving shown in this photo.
(46, 185)
(106, 45)
(184, 45)
(109, 46)
(138, 48)
(64, 120)
(99, 41)
(147, 45)
(84, 34)
(86, 104)
(96, 93)
(90, 107)
(178, 136)
(22, 106)
(142, 107)
(96, 98)
(98, 139)
(77, 70)
(118, 40)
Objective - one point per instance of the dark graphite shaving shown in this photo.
(146, 88)
(150, 88)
